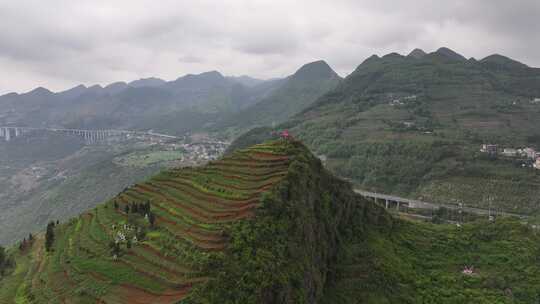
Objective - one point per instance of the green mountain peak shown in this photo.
(314, 71)
(502, 61)
(450, 54)
(294, 94)
(417, 53)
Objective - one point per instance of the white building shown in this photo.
(510, 152)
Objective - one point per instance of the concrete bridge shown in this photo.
(90, 136)
(396, 202)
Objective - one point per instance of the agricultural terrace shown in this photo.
(148, 244)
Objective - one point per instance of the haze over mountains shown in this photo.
(177, 106)
(196, 100)
(273, 213)
(270, 152)
(409, 125)
(140, 104)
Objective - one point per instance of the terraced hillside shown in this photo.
(268, 224)
(151, 242)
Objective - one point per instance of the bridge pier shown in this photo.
(386, 203)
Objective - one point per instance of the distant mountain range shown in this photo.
(190, 102)
(413, 125)
(140, 104)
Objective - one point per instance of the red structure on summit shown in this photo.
(285, 134)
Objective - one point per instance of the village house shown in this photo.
(530, 153)
(396, 102)
(408, 124)
(413, 97)
(537, 163)
(510, 152)
(489, 149)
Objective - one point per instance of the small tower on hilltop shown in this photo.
(285, 135)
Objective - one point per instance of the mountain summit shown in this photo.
(315, 71)
(417, 53)
(293, 95)
(147, 82)
(502, 61)
(444, 51)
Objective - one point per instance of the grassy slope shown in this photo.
(422, 263)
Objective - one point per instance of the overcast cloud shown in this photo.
(60, 44)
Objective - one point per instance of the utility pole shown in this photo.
(490, 200)
(460, 212)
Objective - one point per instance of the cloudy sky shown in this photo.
(61, 43)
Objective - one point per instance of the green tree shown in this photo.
(3, 257)
(135, 207)
(22, 245)
(147, 207)
(49, 236)
(115, 248)
(151, 219)
(3, 260)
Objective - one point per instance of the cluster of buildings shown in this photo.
(528, 153)
(400, 102)
(203, 152)
(123, 232)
